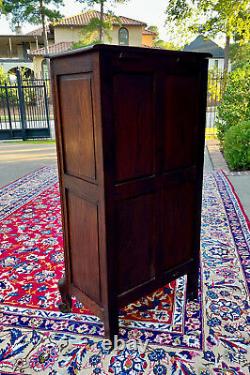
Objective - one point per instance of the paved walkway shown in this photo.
(240, 180)
(18, 159)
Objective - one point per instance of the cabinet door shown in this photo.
(177, 224)
(84, 245)
(180, 120)
(134, 126)
(135, 241)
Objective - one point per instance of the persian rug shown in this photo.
(205, 336)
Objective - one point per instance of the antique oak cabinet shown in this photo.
(130, 126)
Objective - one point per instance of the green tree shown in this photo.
(159, 43)
(228, 17)
(91, 32)
(235, 106)
(32, 11)
(239, 55)
(101, 24)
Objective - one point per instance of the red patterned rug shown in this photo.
(35, 336)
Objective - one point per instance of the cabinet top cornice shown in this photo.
(127, 50)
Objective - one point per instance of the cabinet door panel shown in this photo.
(134, 244)
(181, 121)
(134, 125)
(84, 245)
(77, 125)
(177, 238)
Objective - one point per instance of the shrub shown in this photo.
(237, 146)
(235, 106)
(239, 54)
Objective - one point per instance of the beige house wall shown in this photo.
(135, 35)
(67, 34)
(74, 34)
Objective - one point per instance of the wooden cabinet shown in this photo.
(130, 126)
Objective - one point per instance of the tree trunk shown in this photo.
(45, 37)
(226, 55)
(101, 20)
(226, 62)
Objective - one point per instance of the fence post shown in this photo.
(8, 107)
(46, 105)
(21, 103)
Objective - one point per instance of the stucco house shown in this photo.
(15, 49)
(28, 49)
(202, 44)
(68, 30)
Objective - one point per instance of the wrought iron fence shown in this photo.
(24, 109)
(214, 96)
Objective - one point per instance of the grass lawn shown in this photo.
(33, 141)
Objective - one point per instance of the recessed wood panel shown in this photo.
(180, 125)
(177, 224)
(84, 251)
(134, 246)
(77, 125)
(134, 125)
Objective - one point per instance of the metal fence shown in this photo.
(24, 109)
(214, 96)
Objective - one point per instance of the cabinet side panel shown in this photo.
(134, 246)
(178, 215)
(84, 245)
(77, 125)
(181, 120)
(134, 126)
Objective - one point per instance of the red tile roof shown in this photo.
(53, 49)
(148, 32)
(37, 32)
(82, 19)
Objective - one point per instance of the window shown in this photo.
(216, 64)
(123, 36)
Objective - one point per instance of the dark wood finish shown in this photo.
(130, 126)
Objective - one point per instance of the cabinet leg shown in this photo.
(193, 285)
(111, 327)
(66, 304)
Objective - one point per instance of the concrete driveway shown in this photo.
(18, 159)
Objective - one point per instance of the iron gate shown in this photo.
(24, 109)
(214, 96)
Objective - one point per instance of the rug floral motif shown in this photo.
(205, 336)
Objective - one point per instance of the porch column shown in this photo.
(10, 47)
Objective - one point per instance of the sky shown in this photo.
(151, 12)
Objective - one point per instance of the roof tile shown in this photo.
(53, 49)
(82, 19)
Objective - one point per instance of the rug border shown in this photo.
(200, 301)
(23, 176)
(8, 186)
